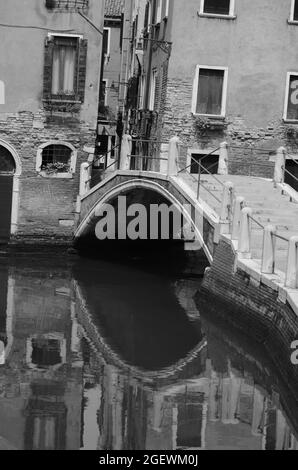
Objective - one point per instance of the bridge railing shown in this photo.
(241, 227)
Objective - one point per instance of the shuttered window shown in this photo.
(210, 92)
(65, 68)
(217, 7)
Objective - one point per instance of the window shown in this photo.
(167, 6)
(152, 90)
(64, 65)
(158, 11)
(67, 5)
(210, 89)
(56, 160)
(291, 101)
(217, 7)
(142, 92)
(294, 11)
(106, 43)
(104, 92)
(65, 68)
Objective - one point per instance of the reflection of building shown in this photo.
(212, 411)
(40, 380)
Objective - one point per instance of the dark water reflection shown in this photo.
(104, 356)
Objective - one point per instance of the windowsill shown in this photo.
(62, 100)
(293, 22)
(290, 121)
(214, 15)
(210, 116)
(67, 176)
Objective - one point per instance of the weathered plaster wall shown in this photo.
(257, 47)
(46, 205)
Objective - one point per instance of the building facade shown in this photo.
(215, 71)
(49, 88)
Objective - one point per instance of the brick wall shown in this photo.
(254, 309)
(46, 205)
(252, 146)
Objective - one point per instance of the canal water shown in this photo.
(110, 356)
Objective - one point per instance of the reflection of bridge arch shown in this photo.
(122, 182)
(97, 341)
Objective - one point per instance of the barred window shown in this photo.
(56, 158)
(67, 5)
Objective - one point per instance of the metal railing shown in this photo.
(203, 170)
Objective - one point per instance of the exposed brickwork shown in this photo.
(45, 201)
(255, 145)
(254, 309)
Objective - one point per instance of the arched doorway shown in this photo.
(10, 171)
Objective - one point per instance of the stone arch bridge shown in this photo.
(257, 217)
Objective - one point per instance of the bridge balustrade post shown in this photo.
(280, 166)
(173, 159)
(126, 147)
(223, 159)
(84, 179)
(226, 208)
(292, 265)
(238, 206)
(244, 247)
(269, 246)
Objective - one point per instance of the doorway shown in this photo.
(7, 172)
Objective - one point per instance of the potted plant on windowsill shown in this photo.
(53, 168)
(50, 4)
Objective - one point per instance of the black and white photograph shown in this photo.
(149, 229)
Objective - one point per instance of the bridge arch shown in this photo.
(148, 184)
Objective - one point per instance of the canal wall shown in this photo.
(251, 306)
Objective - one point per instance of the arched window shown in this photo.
(7, 163)
(56, 159)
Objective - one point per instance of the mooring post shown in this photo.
(223, 159)
(280, 166)
(245, 233)
(238, 206)
(268, 254)
(226, 208)
(84, 179)
(126, 147)
(173, 159)
(292, 266)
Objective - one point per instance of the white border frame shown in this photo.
(219, 15)
(196, 89)
(73, 160)
(285, 114)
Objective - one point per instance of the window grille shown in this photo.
(56, 158)
(67, 5)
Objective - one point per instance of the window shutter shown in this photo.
(48, 64)
(82, 67)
